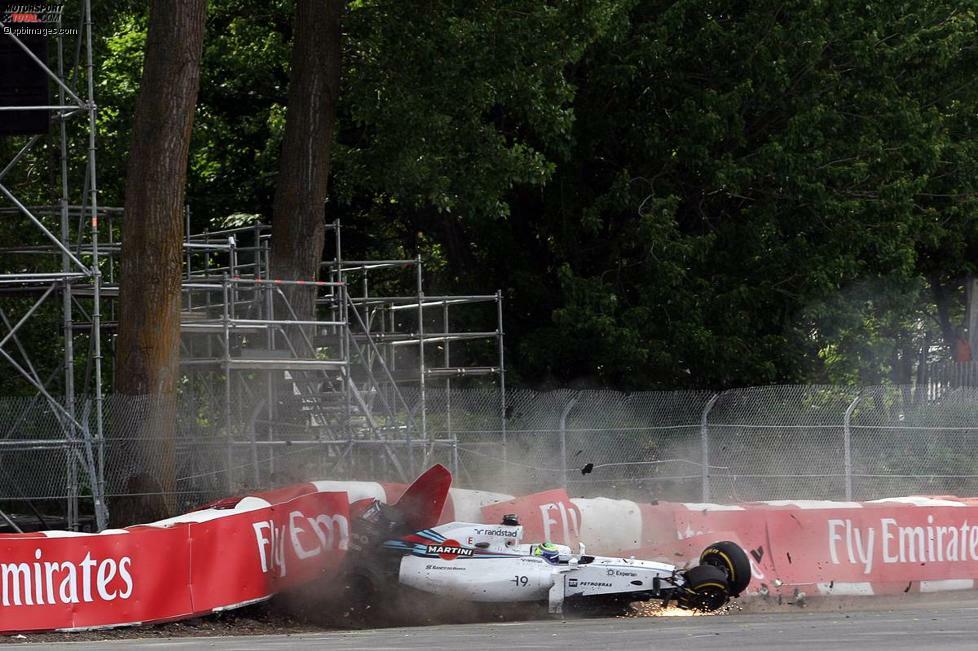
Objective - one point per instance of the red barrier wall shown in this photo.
(159, 572)
(245, 550)
(900, 545)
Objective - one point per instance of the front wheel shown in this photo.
(730, 558)
(704, 589)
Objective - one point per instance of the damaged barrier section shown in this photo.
(893, 545)
(245, 549)
(205, 561)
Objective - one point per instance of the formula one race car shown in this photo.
(400, 546)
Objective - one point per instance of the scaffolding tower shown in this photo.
(70, 258)
(351, 387)
(347, 393)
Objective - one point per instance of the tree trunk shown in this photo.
(298, 224)
(148, 347)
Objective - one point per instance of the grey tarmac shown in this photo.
(935, 626)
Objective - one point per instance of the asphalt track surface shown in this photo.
(935, 626)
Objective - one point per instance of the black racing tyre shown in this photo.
(730, 558)
(705, 589)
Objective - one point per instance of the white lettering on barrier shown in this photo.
(859, 549)
(901, 544)
(294, 530)
(567, 521)
(326, 526)
(29, 584)
(262, 543)
(331, 532)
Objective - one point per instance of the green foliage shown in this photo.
(738, 166)
(681, 193)
(450, 105)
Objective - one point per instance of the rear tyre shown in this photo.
(730, 558)
(705, 589)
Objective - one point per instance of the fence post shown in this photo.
(563, 437)
(847, 444)
(226, 316)
(705, 443)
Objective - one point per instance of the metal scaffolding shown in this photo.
(69, 259)
(348, 390)
(346, 393)
(359, 375)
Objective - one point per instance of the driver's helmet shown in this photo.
(547, 550)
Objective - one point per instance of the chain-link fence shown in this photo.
(57, 461)
(760, 443)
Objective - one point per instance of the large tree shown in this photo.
(298, 222)
(148, 346)
(670, 193)
(742, 176)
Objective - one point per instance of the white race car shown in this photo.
(399, 545)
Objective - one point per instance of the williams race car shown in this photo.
(401, 546)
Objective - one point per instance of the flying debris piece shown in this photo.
(586, 470)
(800, 598)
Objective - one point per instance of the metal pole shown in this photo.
(227, 380)
(270, 313)
(68, 334)
(40, 225)
(190, 295)
(705, 444)
(448, 389)
(421, 364)
(847, 444)
(233, 273)
(12, 524)
(502, 375)
(101, 509)
(563, 436)
(342, 294)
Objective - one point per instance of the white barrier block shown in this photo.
(918, 500)
(467, 504)
(814, 504)
(846, 589)
(246, 504)
(608, 524)
(356, 490)
(706, 506)
(947, 584)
